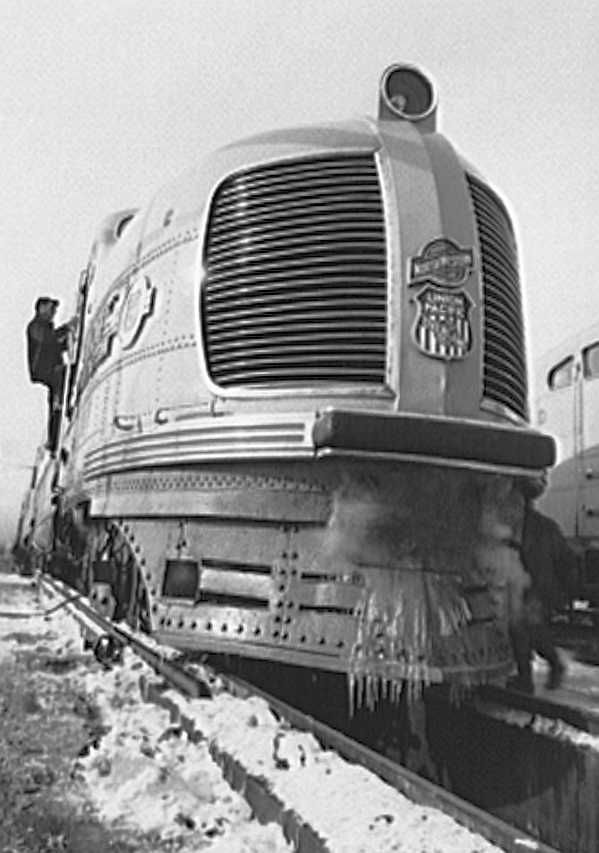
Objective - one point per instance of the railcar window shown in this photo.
(562, 374)
(590, 361)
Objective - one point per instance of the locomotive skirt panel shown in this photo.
(390, 572)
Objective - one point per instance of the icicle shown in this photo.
(351, 683)
(419, 536)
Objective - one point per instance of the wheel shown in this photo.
(116, 579)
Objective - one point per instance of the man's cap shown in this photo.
(45, 300)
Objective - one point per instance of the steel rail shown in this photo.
(414, 787)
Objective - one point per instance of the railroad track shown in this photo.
(263, 802)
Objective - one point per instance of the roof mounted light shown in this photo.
(407, 93)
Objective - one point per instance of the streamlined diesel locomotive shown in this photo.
(296, 422)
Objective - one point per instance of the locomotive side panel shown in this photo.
(157, 326)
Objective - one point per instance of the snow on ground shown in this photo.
(143, 774)
(146, 773)
(21, 612)
(348, 806)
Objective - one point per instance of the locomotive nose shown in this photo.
(407, 93)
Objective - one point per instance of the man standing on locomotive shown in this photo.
(45, 347)
(551, 564)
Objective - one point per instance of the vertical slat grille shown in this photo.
(295, 287)
(504, 358)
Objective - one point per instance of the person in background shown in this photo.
(45, 348)
(551, 564)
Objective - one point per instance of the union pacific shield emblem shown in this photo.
(442, 326)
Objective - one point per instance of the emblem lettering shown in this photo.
(442, 326)
(102, 332)
(139, 305)
(122, 315)
(442, 262)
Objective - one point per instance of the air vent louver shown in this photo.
(295, 288)
(504, 359)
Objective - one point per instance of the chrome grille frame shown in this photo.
(301, 246)
(505, 386)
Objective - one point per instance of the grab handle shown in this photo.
(127, 422)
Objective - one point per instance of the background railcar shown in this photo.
(297, 412)
(567, 406)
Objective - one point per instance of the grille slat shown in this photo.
(246, 317)
(502, 381)
(504, 358)
(295, 267)
(329, 260)
(270, 301)
(510, 336)
(336, 183)
(310, 197)
(308, 338)
(272, 248)
(299, 195)
(297, 357)
(271, 184)
(284, 171)
(505, 369)
(501, 268)
(273, 291)
(231, 218)
(345, 224)
(499, 294)
(304, 283)
(495, 313)
(306, 374)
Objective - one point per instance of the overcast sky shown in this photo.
(102, 101)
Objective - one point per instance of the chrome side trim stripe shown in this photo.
(221, 438)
